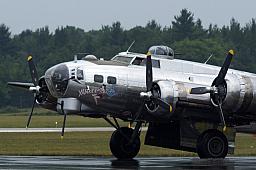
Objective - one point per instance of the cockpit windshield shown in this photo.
(142, 62)
(122, 59)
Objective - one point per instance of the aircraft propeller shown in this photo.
(152, 93)
(218, 88)
(35, 80)
(34, 87)
(37, 90)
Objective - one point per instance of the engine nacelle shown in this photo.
(241, 94)
(168, 91)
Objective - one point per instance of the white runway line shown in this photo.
(87, 129)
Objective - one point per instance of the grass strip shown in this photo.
(50, 121)
(92, 144)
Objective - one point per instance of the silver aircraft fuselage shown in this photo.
(96, 87)
(188, 106)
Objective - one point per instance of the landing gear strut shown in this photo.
(212, 144)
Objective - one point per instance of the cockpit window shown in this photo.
(142, 62)
(122, 59)
(138, 61)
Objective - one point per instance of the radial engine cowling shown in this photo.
(167, 90)
(241, 94)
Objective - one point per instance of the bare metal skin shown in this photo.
(189, 106)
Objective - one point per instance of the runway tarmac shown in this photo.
(88, 129)
(179, 163)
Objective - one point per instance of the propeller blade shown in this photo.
(163, 104)
(149, 74)
(222, 116)
(33, 71)
(200, 90)
(223, 71)
(64, 120)
(21, 85)
(64, 124)
(30, 115)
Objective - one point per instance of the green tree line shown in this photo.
(185, 34)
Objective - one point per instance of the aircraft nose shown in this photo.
(57, 78)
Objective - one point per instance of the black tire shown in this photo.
(119, 144)
(212, 144)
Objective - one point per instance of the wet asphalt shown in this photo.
(179, 163)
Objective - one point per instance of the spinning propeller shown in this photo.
(218, 89)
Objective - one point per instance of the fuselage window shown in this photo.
(111, 80)
(142, 62)
(73, 73)
(98, 78)
(155, 63)
(80, 74)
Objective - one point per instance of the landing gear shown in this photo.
(122, 145)
(212, 144)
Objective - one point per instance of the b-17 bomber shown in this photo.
(188, 106)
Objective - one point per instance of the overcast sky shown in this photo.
(31, 14)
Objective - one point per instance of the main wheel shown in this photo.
(120, 146)
(212, 144)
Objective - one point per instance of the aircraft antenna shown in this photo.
(75, 58)
(130, 46)
(208, 59)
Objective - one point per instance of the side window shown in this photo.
(73, 73)
(98, 78)
(156, 63)
(111, 80)
(80, 74)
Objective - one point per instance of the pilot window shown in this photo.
(137, 61)
(123, 59)
(111, 80)
(142, 62)
(98, 78)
